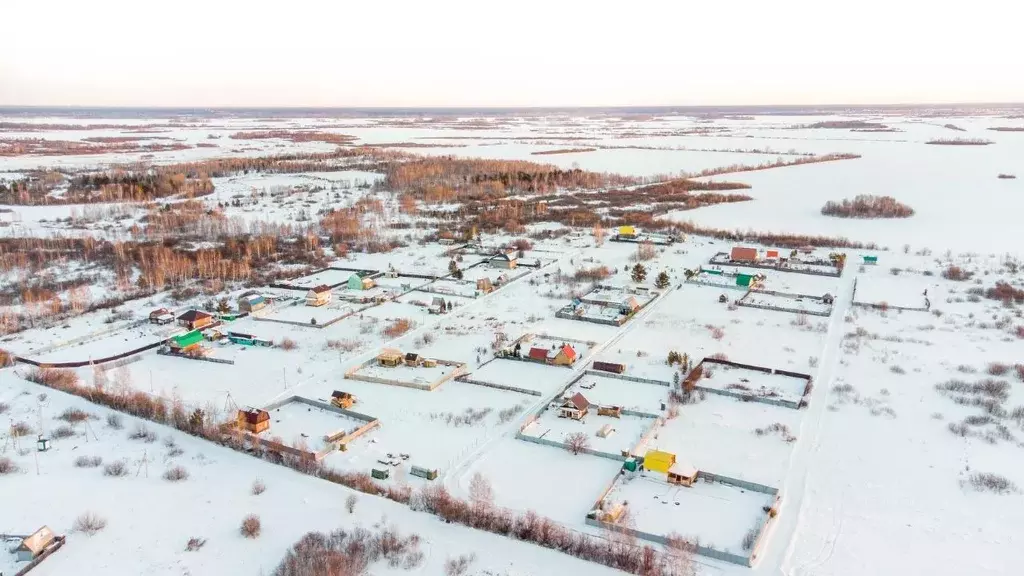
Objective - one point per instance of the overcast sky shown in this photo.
(508, 53)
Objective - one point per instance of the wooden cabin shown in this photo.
(195, 319)
(319, 295)
(35, 544)
(253, 420)
(426, 473)
(251, 303)
(161, 316)
(484, 285)
(342, 399)
(566, 356)
(613, 411)
(682, 474)
(504, 260)
(412, 359)
(575, 408)
(360, 281)
(389, 358)
(186, 343)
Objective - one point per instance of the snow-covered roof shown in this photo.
(38, 541)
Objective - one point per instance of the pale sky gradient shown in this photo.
(508, 52)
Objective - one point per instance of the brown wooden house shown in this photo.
(195, 319)
(575, 407)
(342, 399)
(254, 420)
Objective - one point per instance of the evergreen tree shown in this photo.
(639, 273)
(662, 280)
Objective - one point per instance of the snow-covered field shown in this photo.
(904, 461)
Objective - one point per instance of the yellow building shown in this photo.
(627, 231)
(658, 461)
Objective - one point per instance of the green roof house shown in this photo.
(186, 342)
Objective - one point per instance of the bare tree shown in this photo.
(480, 491)
(577, 442)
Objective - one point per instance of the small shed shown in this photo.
(427, 473)
(161, 316)
(342, 399)
(318, 296)
(741, 254)
(627, 231)
(605, 431)
(613, 411)
(195, 319)
(429, 363)
(629, 305)
(254, 420)
(389, 358)
(187, 342)
(631, 464)
(380, 473)
(658, 461)
(412, 359)
(828, 299)
(437, 306)
(566, 356)
(360, 281)
(612, 513)
(682, 474)
(484, 285)
(772, 254)
(251, 302)
(35, 544)
(504, 260)
(575, 407)
(609, 367)
(870, 259)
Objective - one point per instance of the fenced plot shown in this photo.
(752, 383)
(726, 520)
(633, 396)
(610, 305)
(315, 427)
(298, 314)
(411, 371)
(533, 378)
(817, 266)
(606, 436)
(781, 303)
(912, 293)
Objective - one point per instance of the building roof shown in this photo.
(37, 541)
(159, 312)
(741, 253)
(682, 469)
(193, 315)
(659, 455)
(320, 289)
(255, 415)
(188, 339)
(539, 353)
(569, 352)
(578, 401)
(504, 257)
(340, 394)
(631, 302)
(411, 356)
(251, 298)
(391, 354)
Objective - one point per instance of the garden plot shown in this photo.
(451, 287)
(540, 378)
(714, 514)
(324, 277)
(610, 391)
(550, 481)
(803, 284)
(905, 292)
(692, 321)
(744, 381)
(774, 302)
(298, 424)
(437, 429)
(484, 271)
(745, 440)
(417, 375)
(111, 344)
(622, 434)
(299, 313)
(210, 504)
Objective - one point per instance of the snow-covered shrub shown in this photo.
(89, 523)
(251, 526)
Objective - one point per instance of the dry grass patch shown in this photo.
(251, 526)
(176, 474)
(88, 461)
(89, 523)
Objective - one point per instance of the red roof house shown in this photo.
(539, 354)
